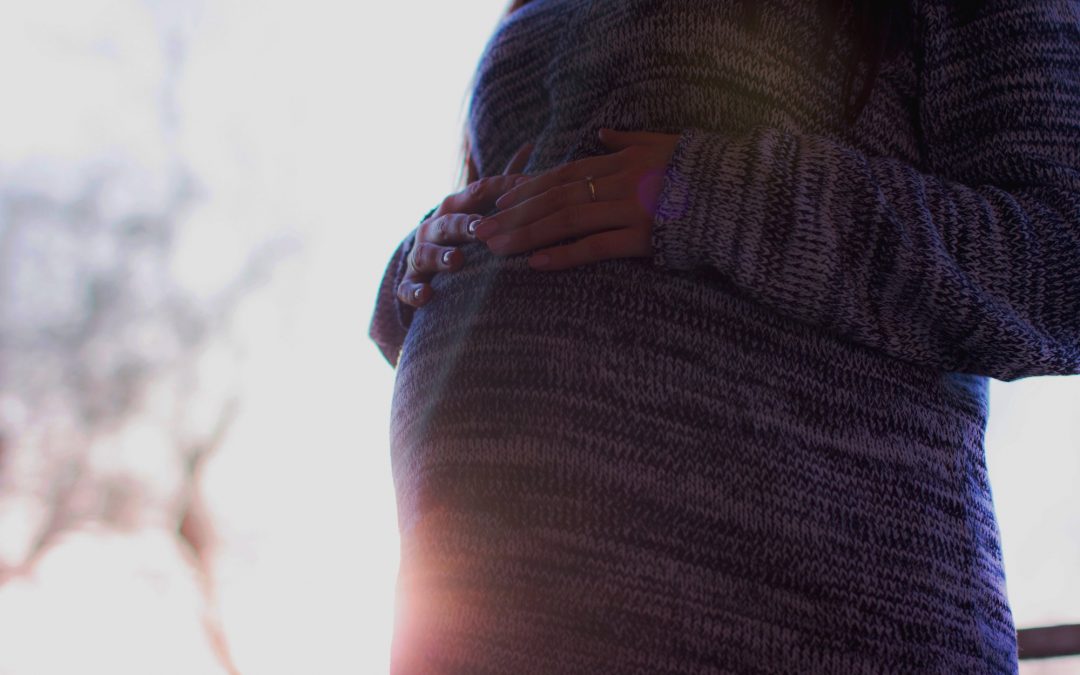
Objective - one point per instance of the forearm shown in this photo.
(970, 279)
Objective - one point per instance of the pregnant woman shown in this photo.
(705, 389)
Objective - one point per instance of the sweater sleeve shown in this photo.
(391, 318)
(973, 266)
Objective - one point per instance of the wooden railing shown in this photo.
(1048, 641)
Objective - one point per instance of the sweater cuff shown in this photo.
(698, 200)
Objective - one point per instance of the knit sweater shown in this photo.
(761, 449)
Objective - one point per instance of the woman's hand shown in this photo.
(614, 222)
(453, 223)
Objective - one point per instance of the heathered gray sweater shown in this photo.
(761, 450)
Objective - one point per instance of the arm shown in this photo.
(972, 267)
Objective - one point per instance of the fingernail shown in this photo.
(446, 257)
(499, 241)
(472, 226)
(502, 201)
(520, 180)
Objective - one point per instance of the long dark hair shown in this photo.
(881, 30)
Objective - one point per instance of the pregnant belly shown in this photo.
(619, 443)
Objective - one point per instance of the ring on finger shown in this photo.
(592, 188)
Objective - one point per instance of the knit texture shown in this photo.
(761, 450)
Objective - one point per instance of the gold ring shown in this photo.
(592, 188)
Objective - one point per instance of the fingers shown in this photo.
(413, 293)
(425, 261)
(622, 243)
(453, 223)
(602, 165)
(479, 196)
(559, 198)
(520, 158)
(571, 222)
(449, 229)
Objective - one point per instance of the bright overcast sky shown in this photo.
(339, 123)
